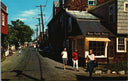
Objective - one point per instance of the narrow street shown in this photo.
(31, 66)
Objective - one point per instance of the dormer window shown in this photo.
(92, 2)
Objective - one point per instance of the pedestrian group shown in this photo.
(90, 61)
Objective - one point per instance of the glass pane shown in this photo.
(126, 5)
(98, 47)
(120, 43)
(91, 2)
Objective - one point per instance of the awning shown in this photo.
(98, 39)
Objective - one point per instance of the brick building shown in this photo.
(4, 22)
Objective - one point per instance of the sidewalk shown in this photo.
(54, 71)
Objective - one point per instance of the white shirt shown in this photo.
(91, 57)
(64, 54)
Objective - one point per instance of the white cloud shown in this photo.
(29, 13)
(22, 19)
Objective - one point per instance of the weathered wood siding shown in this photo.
(80, 47)
(122, 18)
(102, 11)
(112, 50)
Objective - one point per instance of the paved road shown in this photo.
(22, 68)
(31, 66)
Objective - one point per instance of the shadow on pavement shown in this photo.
(63, 68)
(57, 57)
(85, 78)
(5, 79)
(20, 73)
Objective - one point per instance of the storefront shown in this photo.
(98, 45)
(92, 35)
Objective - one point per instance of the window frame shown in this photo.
(70, 24)
(3, 19)
(117, 44)
(125, 6)
(105, 51)
(94, 1)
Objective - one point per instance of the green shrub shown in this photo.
(3, 59)
(118, 66)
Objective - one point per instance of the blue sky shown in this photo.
(25, 10)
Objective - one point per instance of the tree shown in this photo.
(18, 32)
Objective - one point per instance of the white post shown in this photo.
(106, 49)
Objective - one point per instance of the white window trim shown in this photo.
(125, 7)
(105, 54)
(3, 20)
(121, 51)
(93, 1)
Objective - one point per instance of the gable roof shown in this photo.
(89, 23)
(94, 27)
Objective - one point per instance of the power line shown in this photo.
(46, 22)
(49, 18)
(46, 5)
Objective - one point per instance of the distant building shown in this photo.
(4, 20)
(4, 23)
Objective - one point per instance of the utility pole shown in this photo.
(36, 31)
(42, 18)
(39, 24)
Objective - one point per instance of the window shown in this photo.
(70, 25)
(126, 6)
(121, 44)
(98, 47)
(92, 2)
(112, 13)
(3, 20)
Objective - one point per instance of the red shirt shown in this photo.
(75, 55)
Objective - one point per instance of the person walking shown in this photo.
(64, 57)
(75, 60)
(20, 48)
(90, 62)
